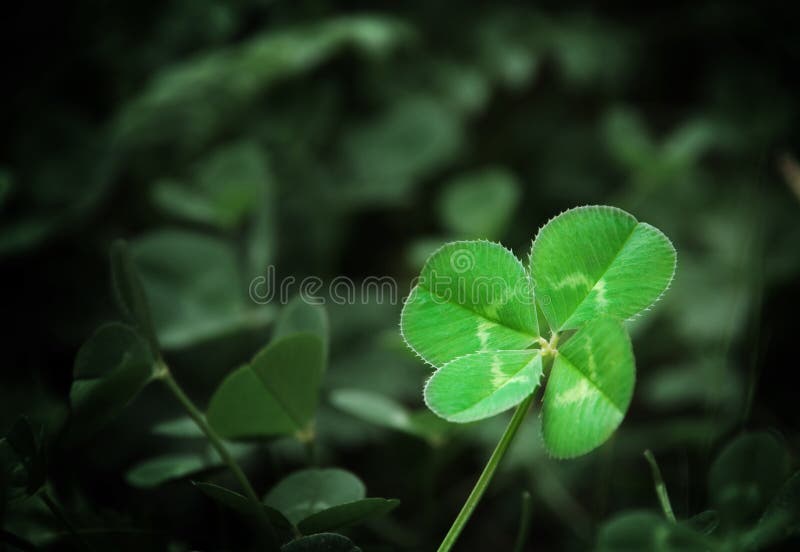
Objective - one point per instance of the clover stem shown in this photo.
(549, 348)
(486, 476)
(162, 372)
(524, 522)
(661, 488)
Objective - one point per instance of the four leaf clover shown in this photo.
(477, 315)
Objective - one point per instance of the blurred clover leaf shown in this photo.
(179, 465)
(111, 368)
(385, 157)
(301, 316)
(187, 105)
(310, 501)
(745, 477)
(119, 360)
(755, 505)
(239, 503)
(383, 411)
(480, 204)
(636, 531)
(223, 191)
(320, 500)
(275, 394)
(22, 460)
(473, 316)
(189, 279)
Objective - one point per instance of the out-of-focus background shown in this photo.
(351, 139)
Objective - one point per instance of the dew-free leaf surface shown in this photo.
(129, 292)
(472, 296)
(481, 385)
(240, 503)
(111, 368)
(347, 514)
(479, 204)
(302, 316)
(177, 465)
(275, 394)
(190, 279)
(597, 260)
(383, 411)
(746, 476)
(641, 530)
(589, 388)
(307, 492)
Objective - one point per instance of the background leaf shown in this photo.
(746, 476)
(111, 368)
(636, 531)
(385, 412)
(300, 316)
(479, 204)
(129, 292)
(29, 454)
(242, 505)
(276, 394)
(161, 469)
(190, 279)
(307, 492)
(345, 515)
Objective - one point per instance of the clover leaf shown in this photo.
(472, 296)
(320, 500)
(473, 316)
(598, 260)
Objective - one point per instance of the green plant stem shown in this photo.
(59, 514)
(524, 522)
(661, 488)
(199, 418)
(486, 476)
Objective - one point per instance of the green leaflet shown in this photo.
(319, 500)
(347, 514)
(383, 411)
(472, 296)
(598, 260)
(307, 492)
(641, 530)
(129, 293)
(481, 385)
(167, 467)
(300, 316)
(186, 276)
(589, 389)
(746, 476)
(110, 370)
(243, 169)
(479, 204)
(239, 503)
(276, 394)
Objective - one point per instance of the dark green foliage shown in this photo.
(321, 139)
